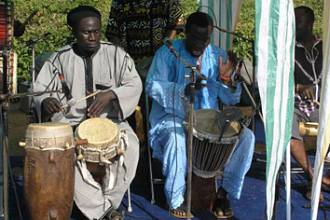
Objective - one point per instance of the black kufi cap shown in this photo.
(80, 12)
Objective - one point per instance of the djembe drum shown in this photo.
(105, 142)
(49, 171)
(214, 141)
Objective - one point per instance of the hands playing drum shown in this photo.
(227, 68)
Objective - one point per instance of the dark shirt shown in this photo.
(308, 71)
(141, 25)
(304, 63)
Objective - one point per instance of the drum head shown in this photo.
(98, 131)
(48, 130)
(208, 124)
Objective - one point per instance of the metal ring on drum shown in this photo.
(213, 143)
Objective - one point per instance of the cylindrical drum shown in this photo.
(308, 128)
(49, 171)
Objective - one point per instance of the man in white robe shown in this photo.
(80, 69)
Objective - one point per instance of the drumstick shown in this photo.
(72, 102)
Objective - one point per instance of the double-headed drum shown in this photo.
(49, 171)
(104, 144)
(105, 141)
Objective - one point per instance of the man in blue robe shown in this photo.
(167, 86)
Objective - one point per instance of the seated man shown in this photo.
(78, 70)
(307, 75)
(166, 85)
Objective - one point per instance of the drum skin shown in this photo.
(49, 183)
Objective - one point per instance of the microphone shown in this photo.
(168, 43)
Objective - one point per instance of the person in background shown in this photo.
(307, 76)
(140, 26)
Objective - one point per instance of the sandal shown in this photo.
(221, 208)
(181, 212)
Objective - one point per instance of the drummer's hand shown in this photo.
(225, 70)
(306, 91)
(101, 102)
(50, 106)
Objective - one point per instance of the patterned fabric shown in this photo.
(307, 106)
(165, 84)
(142, 25)
(275, 33)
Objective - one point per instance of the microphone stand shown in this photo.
(190, 137)
(191, 97)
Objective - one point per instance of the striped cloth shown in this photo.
(225, 15)
(275, 32)
(323, 138)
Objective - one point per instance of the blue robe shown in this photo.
(165, 85)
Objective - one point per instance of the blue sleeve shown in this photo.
(161, 85)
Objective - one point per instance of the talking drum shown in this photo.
(104, 140)
(105, 143)
(49, 170)
(214, 141)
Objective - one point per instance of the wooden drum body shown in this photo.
(49, 171)
(214, 141)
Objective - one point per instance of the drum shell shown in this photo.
(308, 128)
(203, 193)
(210, 158)
(49, 183)
(49, 170)
(213, 142)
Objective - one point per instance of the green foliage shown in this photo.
(245, 26)
(51, 18)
